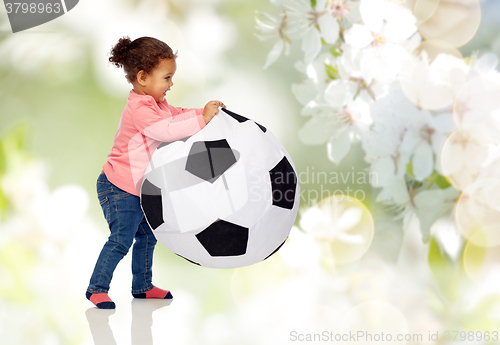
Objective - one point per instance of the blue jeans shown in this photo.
(126, 221)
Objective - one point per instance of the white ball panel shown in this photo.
(253, 145)
(270, 231)
(237, 184)
(169, 216)
(186, 245)
(200, 205)
(168, 153)
(259, 197)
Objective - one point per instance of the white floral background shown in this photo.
(390, 110)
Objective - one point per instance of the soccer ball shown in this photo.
(225, 197)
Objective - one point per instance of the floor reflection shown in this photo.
(142, 320)
(98, 320)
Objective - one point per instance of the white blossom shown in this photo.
(332, 221)
(433, 84)
(363, 83)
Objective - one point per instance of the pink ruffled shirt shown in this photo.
(144, 125)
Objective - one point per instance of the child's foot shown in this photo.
(155, 292)
(101, 300)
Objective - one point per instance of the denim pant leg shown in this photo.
(124, 215)
(142, 258)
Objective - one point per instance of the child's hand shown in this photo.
(211, 109)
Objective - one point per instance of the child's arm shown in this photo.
(148, 121)
(208, 112)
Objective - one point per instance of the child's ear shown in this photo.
(141, 77)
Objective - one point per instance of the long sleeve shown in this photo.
(168, 124)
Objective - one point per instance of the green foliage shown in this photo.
(409, 169)
(4, 203)
(17, 260)
(415, 184)
(439, 180)
(3, 168)
(11, 148)
(332, 72)
(15, 138)
(335, 51)
(442, 182)
(446, 272)
(313, 3)
(3, 159)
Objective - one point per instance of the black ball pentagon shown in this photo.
(284, 183)
(241, 119)
(210, 159)
(152, 204)
(223, 238)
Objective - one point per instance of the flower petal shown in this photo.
(311, 44)
(329, 28)
(311, 219)
(316, 131)
(383, 63)
(339, 146)
(360, 111)
(383, 170)
(443, 123)
(320, 5)
(372, 14)
(349, 238)
(400, 23)
(274, 54)
(423, 161)
(349, 218)
(335, 93)
(395, 191)
(304, 91)
(358, 36)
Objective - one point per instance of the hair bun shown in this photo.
(119, 52)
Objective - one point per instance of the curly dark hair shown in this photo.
(144, 53)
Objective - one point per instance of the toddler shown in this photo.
(147, 121)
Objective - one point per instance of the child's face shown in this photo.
(160, 79)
